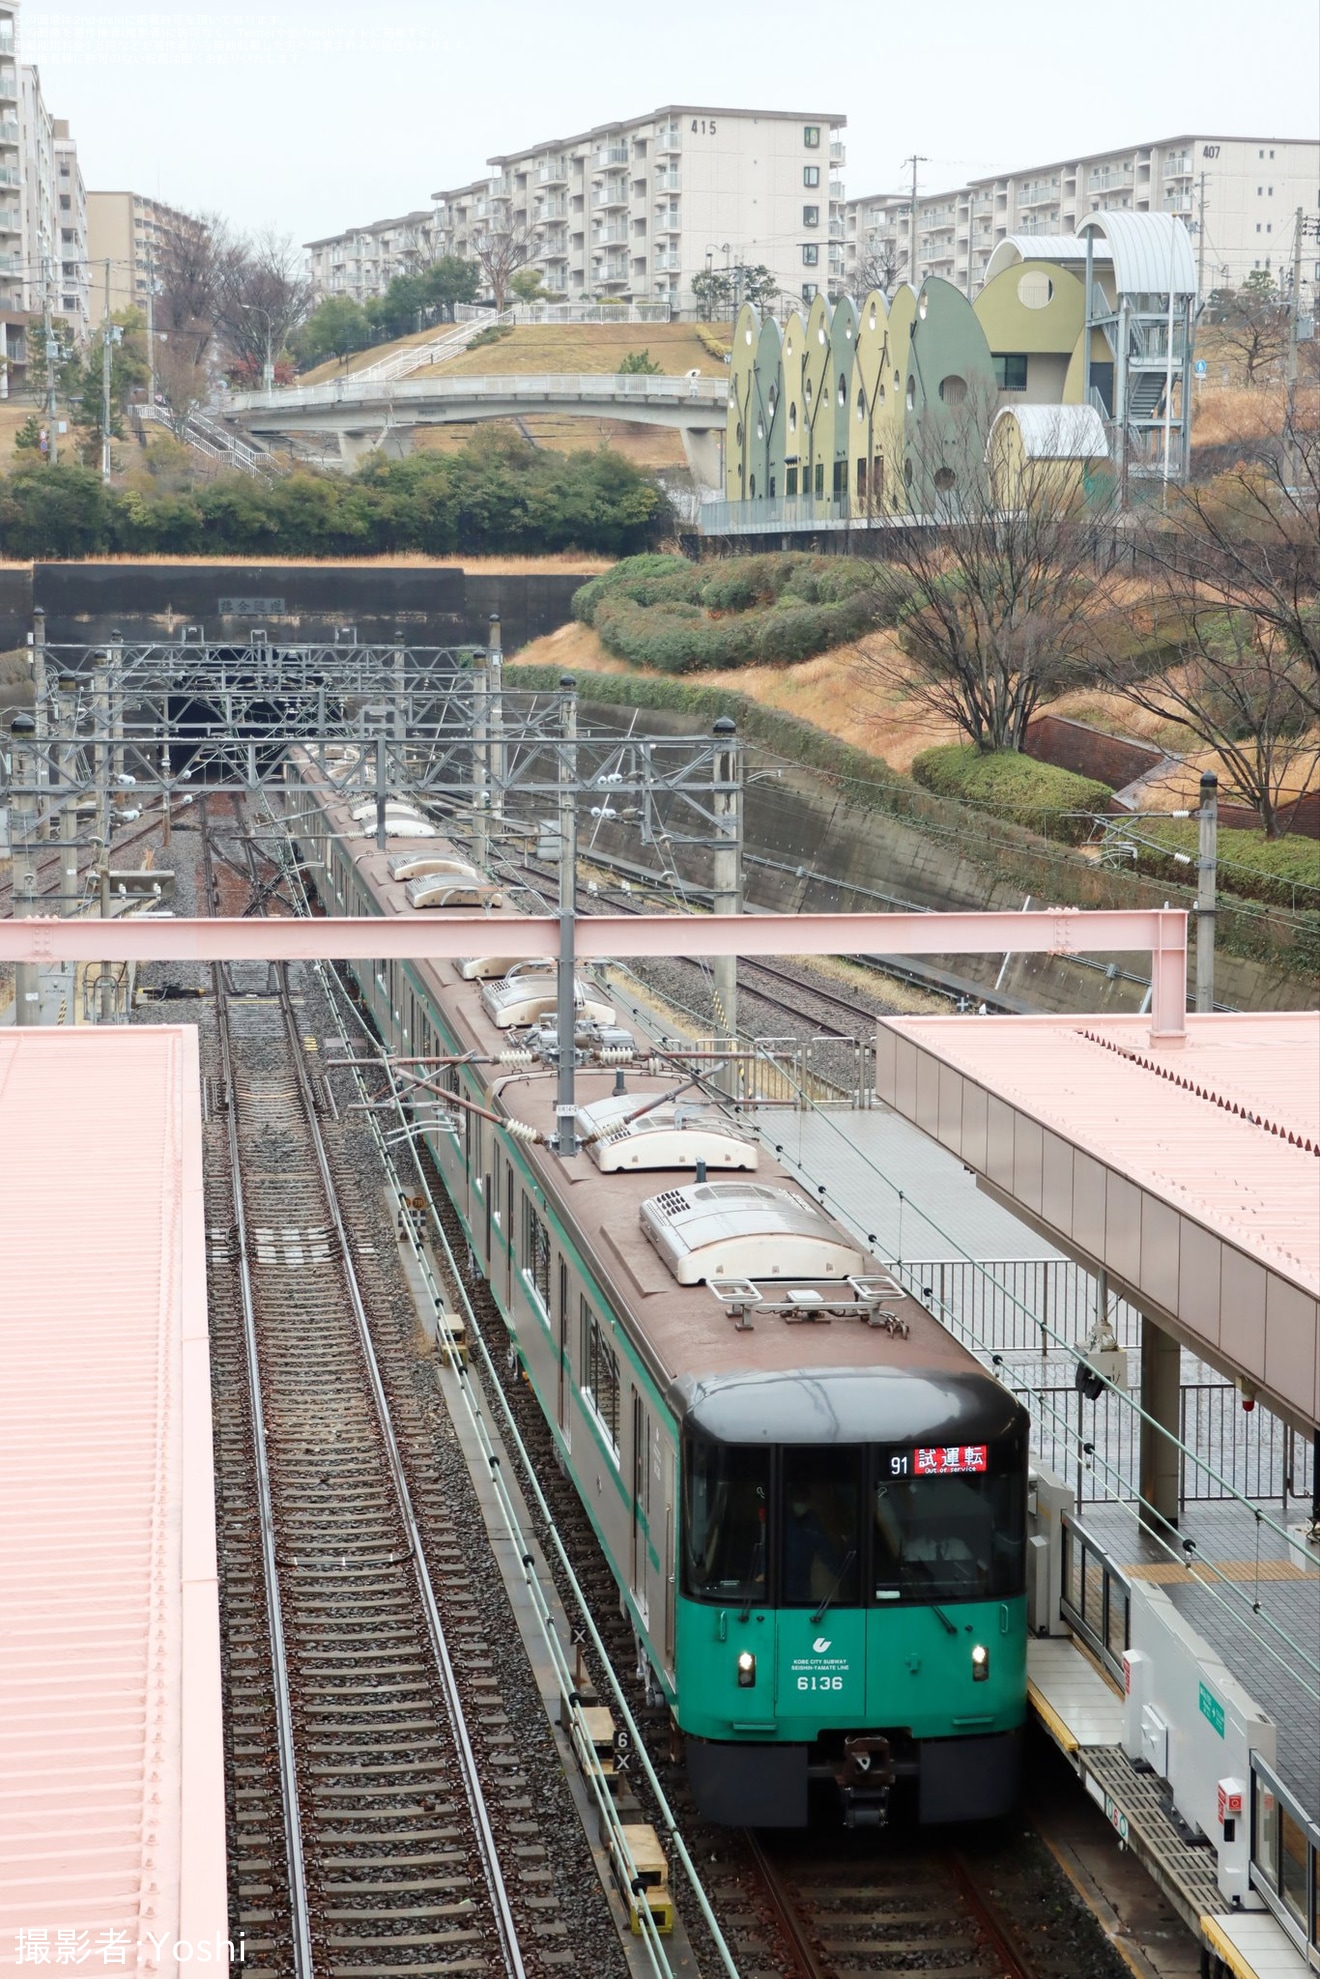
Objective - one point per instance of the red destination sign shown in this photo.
(956, 1458)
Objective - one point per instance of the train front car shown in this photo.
(852, 1609)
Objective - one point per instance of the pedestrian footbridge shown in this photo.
(363, 413)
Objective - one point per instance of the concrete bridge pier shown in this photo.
(704, 447)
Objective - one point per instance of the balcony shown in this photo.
(668, 178)
(613, 193)
(555, 248)
(11, 221)
(838, 154)
(8, 130)
(610, 154)
(616, 230)
(666, 262)
(669, 138)
(667, 221)
(552, 172)
(551, 209)
(501, 188)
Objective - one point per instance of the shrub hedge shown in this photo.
(498, 493)
(682, 617)
(1251, 865)
(1015, 787)
(1005, 852)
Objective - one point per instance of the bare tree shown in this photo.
(880, 264)
(1252, 325)
(992, 585)
(196, 259)
(500, 252)
(263, 298)
(1249, 541)
(1238, 687)
(183, 381)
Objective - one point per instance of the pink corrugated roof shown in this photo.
(1227, 1127)
(111, 1765)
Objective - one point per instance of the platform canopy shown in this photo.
(112, 1786)
(1190, 1176)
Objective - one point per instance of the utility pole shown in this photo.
(105, 380)
(1206, 874)
(22, 807)
(40, 708)
(1294, 325)
(916, 159)
(52, 438)
(727, 807)
(495, 691)
(1200, 241)
(566, 1002)
(151, 334)
(68, 718)
(481, 766)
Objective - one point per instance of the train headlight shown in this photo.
(746, 1669)
(980, 1663)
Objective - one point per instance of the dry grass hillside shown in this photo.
(558, 347)
(842, 692)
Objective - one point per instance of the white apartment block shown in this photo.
(43, 220)
(1237, 196)
(362, 262)
(632, 211)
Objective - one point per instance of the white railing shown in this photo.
(708, 394)
(572, 312)
(213, 440)
(449, 340)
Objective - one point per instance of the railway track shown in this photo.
(364, 1718)
(884, 1914)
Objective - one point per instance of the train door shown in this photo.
(562, 1323)
(640, 1480)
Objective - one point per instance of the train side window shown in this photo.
(821, 1525)
(536, 1253)
(726, 1499)
(564, 1370)
(600, 1376)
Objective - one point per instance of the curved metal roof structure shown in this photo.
(1057, 432)
(1064, 248)
(1152, 252)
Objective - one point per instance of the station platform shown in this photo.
(1083, 1713)
(112, 1797)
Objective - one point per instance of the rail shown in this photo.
(706, 394)
(1285, 1859)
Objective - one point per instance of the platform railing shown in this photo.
(1095, 1602)
(1285, 1859)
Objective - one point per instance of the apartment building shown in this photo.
(634, 210)
(127, 231)
(75, 301)
(363, 261)
(13, 314)
(1237, 197)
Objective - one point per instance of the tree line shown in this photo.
(497, 494)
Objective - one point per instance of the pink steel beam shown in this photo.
(1161, 932)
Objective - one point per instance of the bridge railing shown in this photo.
(608, 389)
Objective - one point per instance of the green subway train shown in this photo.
(812, 1498)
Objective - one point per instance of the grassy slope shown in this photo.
(563, 347)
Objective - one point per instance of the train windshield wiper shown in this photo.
(839, 1579)
(755, 1564)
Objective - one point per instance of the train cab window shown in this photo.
(820, 1544)
(726, 1497)
(947, 1538)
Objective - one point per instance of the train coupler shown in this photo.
(865, 1780)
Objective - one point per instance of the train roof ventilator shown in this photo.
(625, 1131)
(744, 1230)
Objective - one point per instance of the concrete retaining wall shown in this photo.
(435, 605)
(881, 862)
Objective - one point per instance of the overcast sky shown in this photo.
(312, 115)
